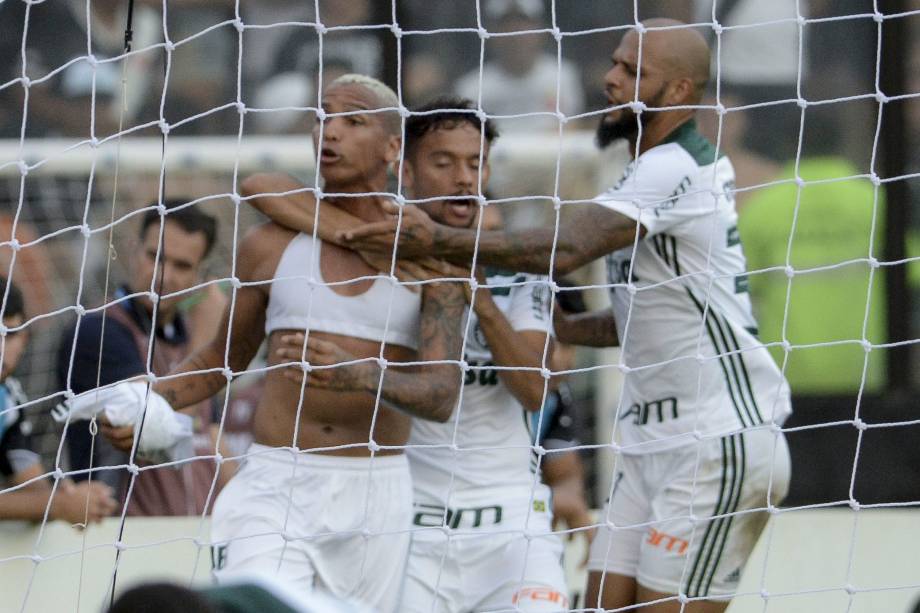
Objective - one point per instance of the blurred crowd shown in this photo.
(80, 84)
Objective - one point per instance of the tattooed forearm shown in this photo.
(183, 391)
(587, 233)
(430, 391)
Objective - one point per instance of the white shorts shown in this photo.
(650, 535)
(335, 523)
(486, 562)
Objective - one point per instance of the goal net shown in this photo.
(112, 109)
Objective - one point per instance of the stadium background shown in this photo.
(847, 57)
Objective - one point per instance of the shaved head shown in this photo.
(666, 65)
(680, 52)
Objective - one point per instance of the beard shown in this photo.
(627, 126)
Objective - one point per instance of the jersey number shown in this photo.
(482, 374)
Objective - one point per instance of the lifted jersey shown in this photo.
(489, 427)
(688, 334)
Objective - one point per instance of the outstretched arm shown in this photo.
(291, 204)
(427, 390)
(589, 232)
(75, 503)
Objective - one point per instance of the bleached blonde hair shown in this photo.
(385, 96)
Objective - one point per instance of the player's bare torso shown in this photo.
(328, 419)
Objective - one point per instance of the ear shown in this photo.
(484, 172)
(394, 145)
(680, 91)
(408, 174)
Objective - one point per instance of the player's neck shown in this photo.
(366, 207)
(659, 128)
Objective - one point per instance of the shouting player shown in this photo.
(475, 501)
(339, 516)
(701, 453)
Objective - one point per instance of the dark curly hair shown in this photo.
(445, 112)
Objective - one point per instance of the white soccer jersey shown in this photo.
(688, 335)
(489, 427)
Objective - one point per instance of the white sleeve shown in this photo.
(658, 190)
(529, 307)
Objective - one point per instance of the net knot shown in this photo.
(164, 126)
(546, 373)
(717, 28)
(802, 102)
(80, 310)
(92, 60)
(557, 34)
(26, 82)
(169, 46)
(227, 373)
(881, 98)
(58, 474)
(134, 469)
(238, 25)
(860, 424)
(396, 30)
(93, 142)
(320, 28)
(86, 231)
(23, 167)
(876, 17)
(15, 245)
(623, 368)
(483, 33)
(241, 107)
(637, 106)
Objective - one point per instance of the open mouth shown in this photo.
(328, 156)
(463, 207)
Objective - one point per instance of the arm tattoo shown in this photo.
(430, 391)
